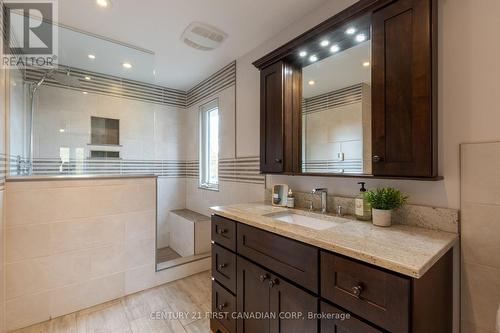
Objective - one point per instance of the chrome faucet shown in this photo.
(324, 195)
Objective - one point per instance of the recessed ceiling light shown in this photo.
(91, 56)
(335, 48)
(62, 130)
(360, 38)
(350, 31)
(311, 83)
(366, 64)
(84, 92)
(104, 3)
(324, 43)
(313, 58)
(88, 78)
(302, 54)
(127, 65)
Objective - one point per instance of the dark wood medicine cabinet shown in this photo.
(402, 137)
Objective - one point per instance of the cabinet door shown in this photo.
(404, 121)
(253, 296)
(271, 118)
(291, 307)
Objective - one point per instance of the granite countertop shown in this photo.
(404, 249)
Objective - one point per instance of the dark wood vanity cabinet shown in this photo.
(262, 292)
(272, 284)
(403, 90)
(403, 79)
(280, 85)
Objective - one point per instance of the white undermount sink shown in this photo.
(303, 220)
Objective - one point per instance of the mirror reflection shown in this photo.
(336, 106)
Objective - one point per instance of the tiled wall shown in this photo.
(80, 243)
(480, 200)
(239, 176)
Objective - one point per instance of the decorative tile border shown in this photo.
(124, 88)
(215, 83)
(442, 219)
(113, 86)
(333, 99)
(240, 170)
(333, 166)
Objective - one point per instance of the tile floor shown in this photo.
(133, 313)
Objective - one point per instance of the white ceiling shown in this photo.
(157, 25)
(338, 71)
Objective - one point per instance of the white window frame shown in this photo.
(204, 144)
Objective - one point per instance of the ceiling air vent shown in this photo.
(202, 36)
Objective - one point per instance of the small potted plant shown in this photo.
(383, 202)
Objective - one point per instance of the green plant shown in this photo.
(386, 198)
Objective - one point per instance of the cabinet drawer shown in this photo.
(297, 261)
(223, 306)
(373, 294)
(340, 321)
(224, 232)
(224, 267)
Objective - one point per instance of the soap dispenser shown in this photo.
(363, 209)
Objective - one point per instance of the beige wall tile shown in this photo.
(144, 277)
(2, 259)
(481, 234)
(481, 173)
(139, 252)
(28, 310)
(26, 242)
(471, 328)
(75, 297)
(480, 295)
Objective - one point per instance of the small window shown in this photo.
(105, 131)
(209, 145)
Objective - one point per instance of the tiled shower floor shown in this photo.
(133, 313)
(166, 254)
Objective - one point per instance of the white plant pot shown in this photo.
(381, 217)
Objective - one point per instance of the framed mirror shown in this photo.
(336, 102)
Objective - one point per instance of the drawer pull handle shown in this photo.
(357, 290)
(221, 231)
(273, 282)
(221, 306)
(263, 277)
(221, 266)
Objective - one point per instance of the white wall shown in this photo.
(468, 96)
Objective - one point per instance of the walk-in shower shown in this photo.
(62, 78)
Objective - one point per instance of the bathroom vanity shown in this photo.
(282, 270)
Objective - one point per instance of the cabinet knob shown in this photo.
(277, 160)
(221, 266)
(221, 307)
(263, 277)
(273, 282)
(221, 231)
(357, 290)
(376, 158)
